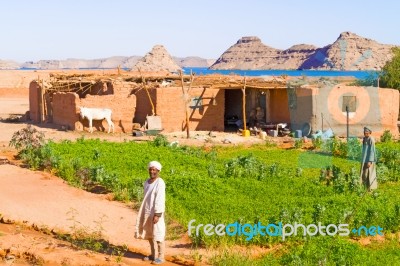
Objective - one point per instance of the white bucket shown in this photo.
(263, 135)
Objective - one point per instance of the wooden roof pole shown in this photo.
(186, 99)
(244, 104)
(148, 94)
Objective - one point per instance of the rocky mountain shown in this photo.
(248, 53)
(72, 63)
(293, 57)
(193, 61)
(8, 64)
(158, 59)
(110, 62)
(348, 52)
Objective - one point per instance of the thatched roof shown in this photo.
(153, 80)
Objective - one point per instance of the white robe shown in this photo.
(153, 202)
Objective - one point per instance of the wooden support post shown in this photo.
(147, 91)
(244, 104)
(186, 99)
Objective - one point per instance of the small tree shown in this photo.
(390, 77)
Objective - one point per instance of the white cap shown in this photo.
(154, 164)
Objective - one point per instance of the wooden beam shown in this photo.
(185, 94)
(148, 93)
(244, 104)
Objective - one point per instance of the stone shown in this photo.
(348, 52)
(4, 160)
(158, 59)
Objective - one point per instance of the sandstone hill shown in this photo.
(193, 61)
(110, 62)
(8, 64)
(71, 63)
(158, 59)
(348, 52)
(247, 53)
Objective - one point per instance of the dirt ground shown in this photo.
(36, 208)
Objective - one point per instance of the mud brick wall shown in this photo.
(121, 88)
(123, 111)
(279, 106)
(323, 108)
(34, 95)
(171, 107)
(376, 108)
(143, 105)
(64, 109)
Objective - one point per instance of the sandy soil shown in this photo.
(35, 207)
(42, 201)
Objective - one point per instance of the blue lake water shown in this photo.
(292, 73)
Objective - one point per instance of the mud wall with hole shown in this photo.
(143, 105)
(65, 106)
(324, 108)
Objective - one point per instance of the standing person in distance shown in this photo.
(368, 161)
(150, 224)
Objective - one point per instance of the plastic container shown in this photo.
(246, 133)
(273, 133)
(298, 134)
(137, 133)
(153, 132)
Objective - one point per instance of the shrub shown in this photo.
(160, 141)
(298, 143)
(29, 143)
(340, 180)
(342, 149)
(317, 142)
(386, 136)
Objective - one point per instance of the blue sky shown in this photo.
(45, 29)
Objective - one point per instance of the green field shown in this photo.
(254, 184)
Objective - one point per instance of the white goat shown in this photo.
(97, 114)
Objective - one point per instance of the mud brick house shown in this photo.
(213, 103)
(209, 100)
(58, 102)
(322, 107)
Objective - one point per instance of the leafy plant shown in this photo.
(338, 148)
(317, 142)
(27, 138)
(298, 143)
(29, 143)
(160, 140)
(386, 136)
(390, 77)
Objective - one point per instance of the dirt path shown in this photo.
(41, 200)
